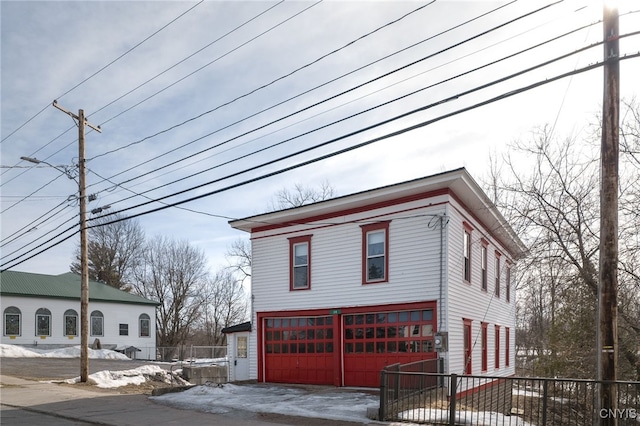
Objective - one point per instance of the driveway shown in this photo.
(231, 404)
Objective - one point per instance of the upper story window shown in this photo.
(375, 256)
(70, 323)
(466, 251)
(43, 322)
(483, 264)
(12, 316)
(497, 274)
(300, 262)
(507, 283)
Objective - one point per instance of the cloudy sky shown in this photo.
(213, 101)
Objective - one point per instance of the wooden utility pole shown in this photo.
(608, 283)
(84, 244)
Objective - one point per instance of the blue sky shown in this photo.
(209, 78)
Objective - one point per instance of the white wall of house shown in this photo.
(336, 262)
(114, 314)
(468, 300)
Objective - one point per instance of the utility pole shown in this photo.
(607, 352)
(84, 245)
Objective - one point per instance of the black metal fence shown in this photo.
(407, 394)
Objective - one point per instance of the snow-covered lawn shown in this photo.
(13, 351)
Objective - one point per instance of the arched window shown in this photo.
(145, 325)
(12, 317)
(70, 323)
(97, 323)
(43, 322)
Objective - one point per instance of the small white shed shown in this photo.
(238, 351)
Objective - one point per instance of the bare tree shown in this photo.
(239, 257)
(239, 252)
(301, 195)
(554, 203)
(174, 274)
(114, 250)
(226, 305)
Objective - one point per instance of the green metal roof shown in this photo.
(64, 286)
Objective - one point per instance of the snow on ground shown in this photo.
(476, 418)
(264, 398)
(135, 376)
(14, 351)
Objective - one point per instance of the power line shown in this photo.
(477, 88)
(311, 161)
(299, 110)
(103, 68)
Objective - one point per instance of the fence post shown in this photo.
(382, 412)
(452, 399)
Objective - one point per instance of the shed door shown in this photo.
(375, 340)
(299, 350)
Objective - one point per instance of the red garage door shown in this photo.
(299, 350)
(375, 340)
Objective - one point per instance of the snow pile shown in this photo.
(135, 376)
(14, 351)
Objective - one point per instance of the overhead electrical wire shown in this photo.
(103, 68)
(15, 262)
(461, 24)
(258, 166)
(34, 224)
(331, 97)
(263, 86)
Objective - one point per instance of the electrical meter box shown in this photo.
(441, 341)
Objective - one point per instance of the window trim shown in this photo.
(467, 346)
(507, 283)
(144, 317)
(497, 274)
(123, 327)
(293, 242)
(507, 347)
(467, 252)
(497, 344)
(366, 230)
(69, 313)
(484, 282)
(46, 313)
(13, 310)
(485, 343)
(91, 317)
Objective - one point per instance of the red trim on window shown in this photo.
(292, 242)
(466, 255)
(484, 342)
(507, 347)
(467, 346)
(467, 226)
(497, 274)
(497, 342)
(384, 226)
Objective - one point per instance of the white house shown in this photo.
(417, 270)
(43, 311)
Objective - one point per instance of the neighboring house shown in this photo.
(417, 270)
(43, 311)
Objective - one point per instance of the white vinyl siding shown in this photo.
(485, 307)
